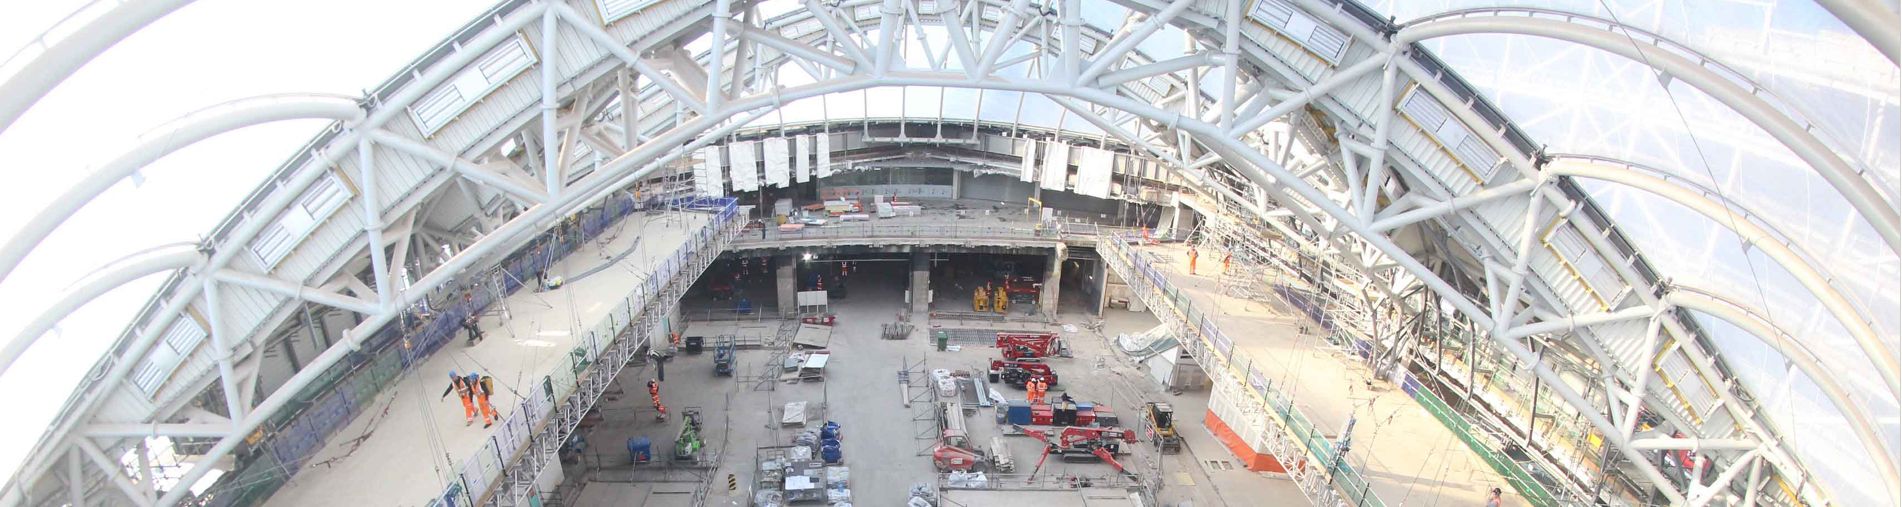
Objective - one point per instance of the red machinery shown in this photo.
(1022, 346)
(1075, 443)
(1018, 373)
(1023, 285)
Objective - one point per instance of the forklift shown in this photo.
(1162, 427)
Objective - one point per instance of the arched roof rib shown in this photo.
(1517, 153)
(1733, 89)
(688, 133)
(1753, 322)
(1773, 243)
(44, 63)
(163, 141)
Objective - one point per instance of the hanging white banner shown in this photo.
(706, 176)
(824, 147)
(743, 161)
(1093, 172)
(1028, 171)
(802, 161)
(777, 163)
(1056, 166)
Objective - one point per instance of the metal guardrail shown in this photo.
(877, 231)
(503, 471)
(1300, 447)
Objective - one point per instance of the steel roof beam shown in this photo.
(1806, 360)
(163, 141)
(120, 272)
(1783, 253)
(1874, 20)
(57, 60)
(1856, 188)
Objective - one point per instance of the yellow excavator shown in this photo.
(1162, 427)
(981, 301)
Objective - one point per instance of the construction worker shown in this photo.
(653, 390)
(469, 326)
(1226, 256)
(483, 388)
(1192, 256)
(1034, 389)
(461, 387)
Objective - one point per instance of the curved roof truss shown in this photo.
(1394, 163)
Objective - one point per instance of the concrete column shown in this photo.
(957, 184)
(788, 283)
(920, 283)
(1052, 281)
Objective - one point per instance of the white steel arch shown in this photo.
(1783, 252)
(186, 131)
(721, 115)
(1848, 179)
(43, 64)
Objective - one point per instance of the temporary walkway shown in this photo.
(411, 446)
(1400, 452)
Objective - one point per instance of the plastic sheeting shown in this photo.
(1027, 172)
(802, 161)
(824, 149)
(743, 164)
(1056, 166)
(778, 168)
(1093, 172)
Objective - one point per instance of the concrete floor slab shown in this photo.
(408, 447)
(1406, 454)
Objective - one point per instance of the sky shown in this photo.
(206, 53)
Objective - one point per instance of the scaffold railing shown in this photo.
(502, 473)
(1301, 448)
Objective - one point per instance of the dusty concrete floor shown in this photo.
(413, 444)
(1406, 454)
(883, 442)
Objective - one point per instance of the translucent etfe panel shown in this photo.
(1093, 172)
(743, 161)
(778, 167)
(1056, 166)
(1028, 171)
(802, 160)
(823, 146)
(706, 175)
(442, 105)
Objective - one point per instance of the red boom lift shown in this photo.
(1017, 373)
(1022, 346)
(1075, 443)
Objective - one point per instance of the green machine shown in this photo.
(687, 447)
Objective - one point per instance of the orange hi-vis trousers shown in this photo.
(468, 408)
(488, 410)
